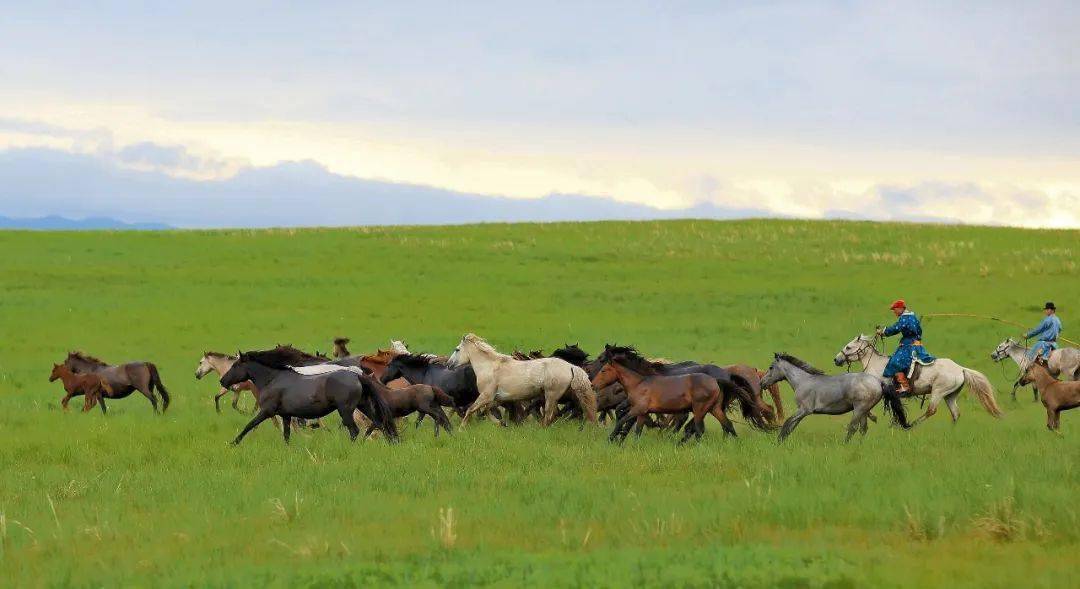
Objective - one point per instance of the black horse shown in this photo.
(733, 387)
(459, 383)
(285, 393)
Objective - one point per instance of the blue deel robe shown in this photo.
(1047, 333)
(910, 330)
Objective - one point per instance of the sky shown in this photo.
(254, 114)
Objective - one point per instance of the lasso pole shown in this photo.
(992, 318)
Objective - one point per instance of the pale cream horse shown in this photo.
(221, 363)
(942, 380)
(501, 378)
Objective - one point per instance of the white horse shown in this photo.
(1064, 363)
(501, 378)
(942, 380)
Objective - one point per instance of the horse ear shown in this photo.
(776, 355)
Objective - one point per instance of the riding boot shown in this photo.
(902, 380)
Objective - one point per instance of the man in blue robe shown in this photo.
(1046, 333)
(910, 330)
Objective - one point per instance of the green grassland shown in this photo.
(139, 500)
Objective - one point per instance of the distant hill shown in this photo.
(55, 222)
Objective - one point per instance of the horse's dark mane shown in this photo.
(417, 360)
(632, 359)
(572, 354)
(341, 341)
(219, 355)
(282, 357)
(87, 358)
(799, 363)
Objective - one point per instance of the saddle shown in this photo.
(913, 372)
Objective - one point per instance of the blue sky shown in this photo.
(894, 110)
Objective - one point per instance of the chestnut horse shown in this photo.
(649, 391)
(90, 385)
(1057, 396)
(123, 379)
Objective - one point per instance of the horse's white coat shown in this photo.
(942, 380)
(502, 378)
(318, 369)
(1064, 363)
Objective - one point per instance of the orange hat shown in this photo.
(899, 304)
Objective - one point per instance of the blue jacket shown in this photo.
(908, 326)
(1048, 330)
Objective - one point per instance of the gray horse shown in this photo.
(817, 392)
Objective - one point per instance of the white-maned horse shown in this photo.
(942, 380)
(1064, 363)
(501, 378)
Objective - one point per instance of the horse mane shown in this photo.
(282, 357)
(799, 363)
(533, 355)
(630, 357)
(79, 355)
(571, 353)
(481, 344)
(219, 355)
(415, 360)
(341, 341)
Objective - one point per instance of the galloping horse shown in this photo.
(221, 363)
(817, 392)
(123, 379)
(650, 391)
(1057, 396)
(733, 385)
(942, 380)
(284, 392)
(1064, 363)
(418, 398)
(91, 385)
(501, 378)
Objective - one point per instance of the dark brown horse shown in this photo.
(1057, 396)
(650, 392)
(418, 398)
(376, 364)
(340, 351)
(123, 379)
(92, 386)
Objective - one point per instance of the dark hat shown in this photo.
(1050, 305)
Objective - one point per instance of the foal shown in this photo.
(91, 385)
(1057, 396)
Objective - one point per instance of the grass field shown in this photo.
(138, 500)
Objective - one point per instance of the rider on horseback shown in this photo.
(1047, 332)
(908, 326)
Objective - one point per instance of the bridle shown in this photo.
(856, 356)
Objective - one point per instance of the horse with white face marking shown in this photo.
(943, 380)
(501, 378)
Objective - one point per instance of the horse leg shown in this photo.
(792, 422)
(483, 401)
(619, 423)
(347, 420)
(419, 419)
(931, 407)
(260, 417)
(725, 423)
(954, 407)
(149, 394)
(551, 405)
(858, 418)
(101, 401)
(217, 399)
(64, 401)
(679, 421)
(286, 427)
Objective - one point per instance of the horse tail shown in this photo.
(382, 417)
(155, 383)
(982, 389)
(583, 392)
(893, 404)
(739, 388)
(442, 398)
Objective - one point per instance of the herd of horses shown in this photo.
(293, 387)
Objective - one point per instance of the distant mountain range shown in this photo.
(55, 222)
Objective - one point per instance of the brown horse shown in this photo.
(376, 364)
(123, 379)
(775, 413)
(417, 398)
(1057, 396)
(652, 392)
(90, 385)
(340, 351)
